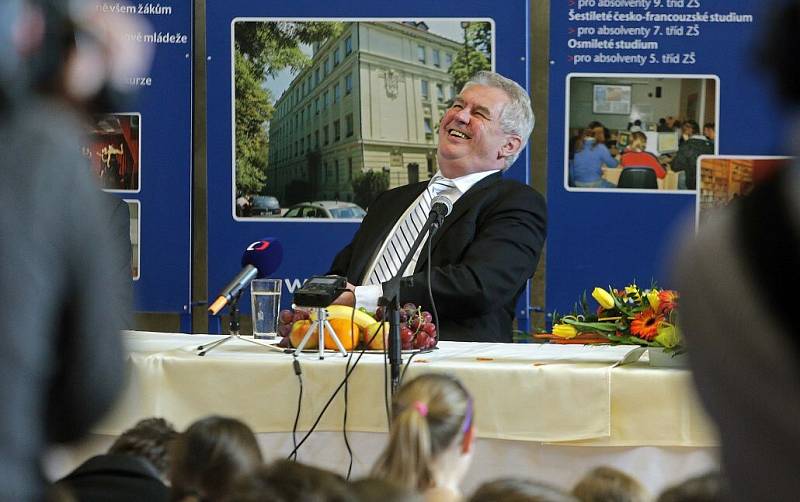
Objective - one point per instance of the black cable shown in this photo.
(333, 396)
(299, 373)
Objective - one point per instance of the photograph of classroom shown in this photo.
(638, 132)
(725, 179)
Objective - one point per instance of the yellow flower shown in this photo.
(603, 297)
(653, 299)
(565, 331)
(668, 335)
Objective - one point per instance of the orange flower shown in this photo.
(645, 324)
(668, 300)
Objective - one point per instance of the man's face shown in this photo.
(470, 137)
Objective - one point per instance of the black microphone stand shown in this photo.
(390, 301)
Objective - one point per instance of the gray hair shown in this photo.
(517, 118)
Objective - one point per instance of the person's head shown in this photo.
(486, 127)
(149, 439)
(638, 141)
(690, 128)
(600, 133)
(519, 490)
(709, 130)
(209, 455)
(706, 488)
(606, 484)
(371, 489)
(431, 431)
(285, 481)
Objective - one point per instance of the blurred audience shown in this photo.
(607, 484)
(374, 489)
(135, 467)
(519, 490)
(285, 481)
(63, 301)
(207, 458)
(737, 311)
(706, 488)
(430, 438)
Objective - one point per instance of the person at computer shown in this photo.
(591, 159)
(636, 156)
(490, 243)
(686, 158)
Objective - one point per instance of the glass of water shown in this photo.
(265, 302)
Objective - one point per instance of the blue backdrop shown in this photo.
(309, 247)
(612, 238)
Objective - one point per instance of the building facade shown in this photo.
(371, 100)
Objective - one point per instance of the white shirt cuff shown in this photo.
(367, 296)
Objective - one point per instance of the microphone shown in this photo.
(441, 205)
(260, 259)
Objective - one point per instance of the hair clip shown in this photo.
(421, 407)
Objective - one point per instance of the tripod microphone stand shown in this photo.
(322, 327)
(233, 330)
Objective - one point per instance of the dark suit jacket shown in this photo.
(115, 478)
(481, 258)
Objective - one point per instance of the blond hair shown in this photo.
(638, 141)
(429, 413)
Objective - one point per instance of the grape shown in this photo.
(407, 346)
(379, 314)
(409, 306)
(429, 328)
(421, 341)
(284, 329)
(406, 335)
(284, 343)
(427, 317)
(286, 316)
(415, 322)
(403, 316)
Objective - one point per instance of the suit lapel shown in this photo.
(460, 208)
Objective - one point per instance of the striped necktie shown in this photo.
(399, 244)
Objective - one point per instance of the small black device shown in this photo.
(320, 291)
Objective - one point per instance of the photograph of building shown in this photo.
(366, 107)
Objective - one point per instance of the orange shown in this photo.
(347, 333)
(299, 329)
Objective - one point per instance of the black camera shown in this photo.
(320, 291)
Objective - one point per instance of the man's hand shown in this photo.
(347, 298)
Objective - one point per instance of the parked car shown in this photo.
(264, 205)
(325, 209)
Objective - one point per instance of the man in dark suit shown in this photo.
(489, 245)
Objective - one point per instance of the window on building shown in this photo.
(325, 135)
(436, 58)
(348, 83)
(302, 146)
(336, 56)
(424, 88)
(428, 128)
(336, 177)
(348, 45)
(328, 175)
(421, 54)
(348, 125)
(337, 130)
(413, 172)
(448, 59)
(325, 171)
(452, 92)
(337, 92)
(327, 66)
(316, 77)
(325, 100)
(316, 106)
(350, 169)
(440, 92)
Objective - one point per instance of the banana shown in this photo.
(361, 318)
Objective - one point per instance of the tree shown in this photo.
(475, 56)
(367, 187)
(261, 50)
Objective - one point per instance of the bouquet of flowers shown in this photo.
(626, 316)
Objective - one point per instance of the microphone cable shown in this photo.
(297, 371)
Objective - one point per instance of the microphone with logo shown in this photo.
(260, 259)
